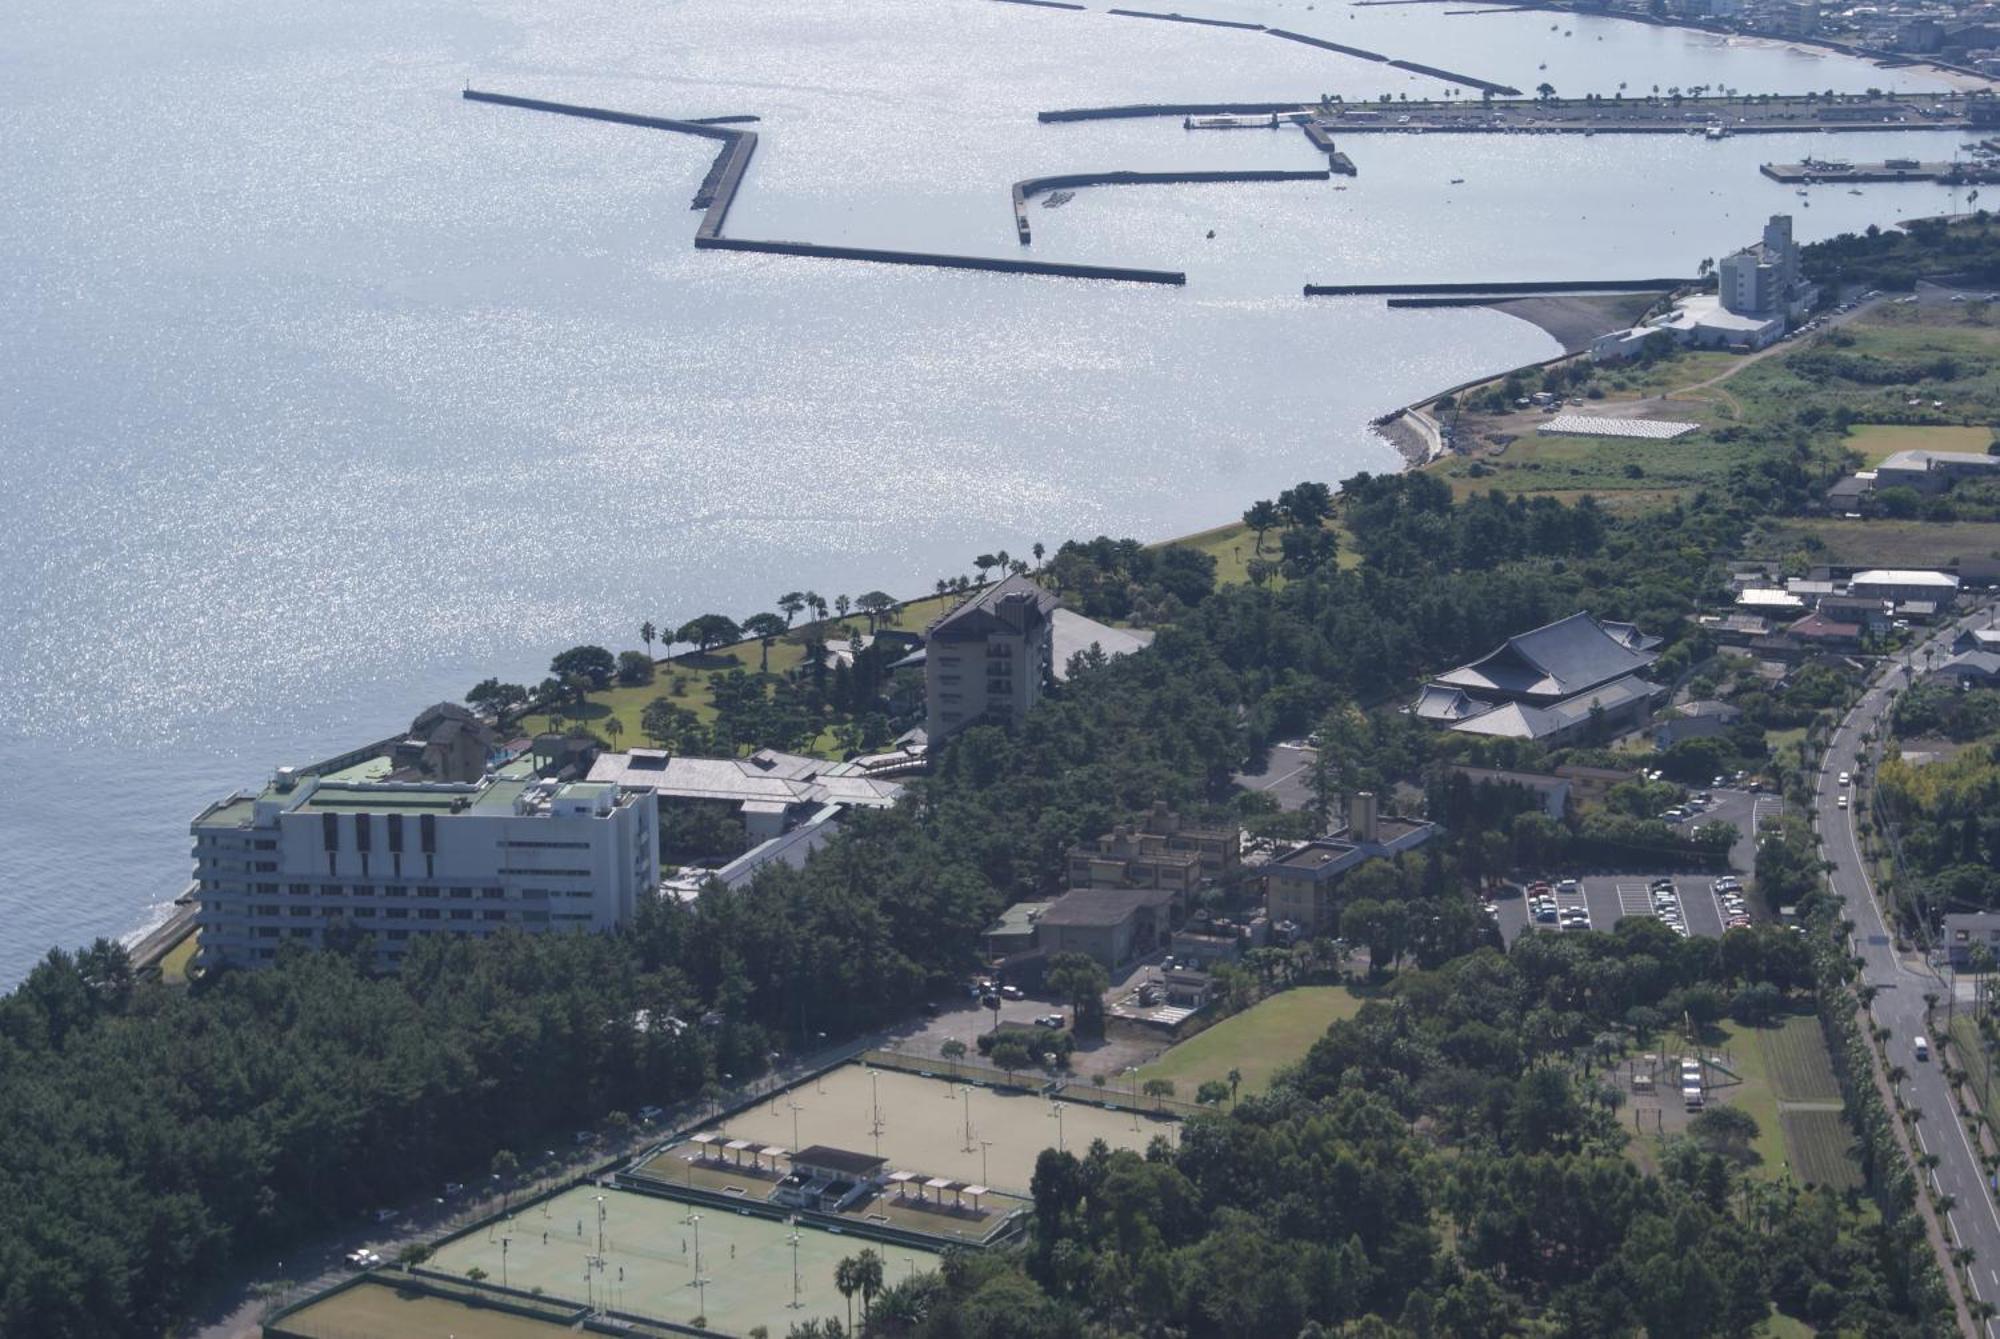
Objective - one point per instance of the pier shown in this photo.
(1815, 172)
(1713, 118)
(1186, 18)
(1030, 187)
(725, 176)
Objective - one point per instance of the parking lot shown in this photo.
(1605, 899)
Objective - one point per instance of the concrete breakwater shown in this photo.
(1469, 81)
(1361, 53)
(1045, 4)
(1499, 290)
(941, 261)
(1136, 110)
(1187, 18)
(1027, 189)
(1895, 169)
(717, 190)
(1322, 141)
(725, 176)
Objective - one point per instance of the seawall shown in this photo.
(1030, 187)
(942, 261)
(1498, 290)
(1324, 45)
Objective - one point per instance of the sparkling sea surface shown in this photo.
(324, 393)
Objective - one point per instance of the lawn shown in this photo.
(1878, 441)
(1275, 1032)
(383, 1311)
(174, 966)
(1739, 1051)
(1234, 545)
(684, 680)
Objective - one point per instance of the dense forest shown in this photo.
(1442, 1164)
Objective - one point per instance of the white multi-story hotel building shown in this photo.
(395, 860)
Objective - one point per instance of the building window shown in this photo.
(496, 915)
(397, 913)
(461, 913)
(427, 913)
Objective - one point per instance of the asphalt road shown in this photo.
(1902, 983)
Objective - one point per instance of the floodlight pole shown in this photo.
(966, 1093)
(600, 1225)
(794, 1239)
(503, 1260)
(795, 1124)
(1056, 1110)
(985, 1144)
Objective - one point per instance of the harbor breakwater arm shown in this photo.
(1027, 189)
(725, 177)
(1187, 18)
(1493, 290)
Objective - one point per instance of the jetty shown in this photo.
(1030, 187)
(1712, 118)
(725, 177)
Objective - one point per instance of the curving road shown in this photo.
(1902, 982)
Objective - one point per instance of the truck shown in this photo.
(1922, 1047)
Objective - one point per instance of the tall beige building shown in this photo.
(989, 659)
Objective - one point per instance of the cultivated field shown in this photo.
(649, 1252)
(1822, 1147)
(375, 1310)
(1273, 1033)
(923, 1125)
(1884, 543)
(1801, 1070)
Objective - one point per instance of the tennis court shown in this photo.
(640, 1257)
(964, 1132)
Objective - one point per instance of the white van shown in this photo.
(1692, 1099)
(1922, 1047)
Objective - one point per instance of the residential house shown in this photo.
(1694, 720)
(1816, 630)
(1965, 931)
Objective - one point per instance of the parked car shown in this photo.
(1012, 993)
(363, 1259)
(1053, 1021)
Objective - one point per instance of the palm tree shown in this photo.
(841, 604)
(818, 603)
(846, 1277)
(614, 727)
(868, 1278)
(1235, 1082)
(1037, 550)
(646, 634)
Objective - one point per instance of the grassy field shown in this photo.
(684, 680)
(382, 1311)
(1883, 543)
(1878, 441)
(1270, 1034)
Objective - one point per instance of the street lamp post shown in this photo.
(793, 1104)
(1056, 1110)
(984, 1144)
(503, 1260)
